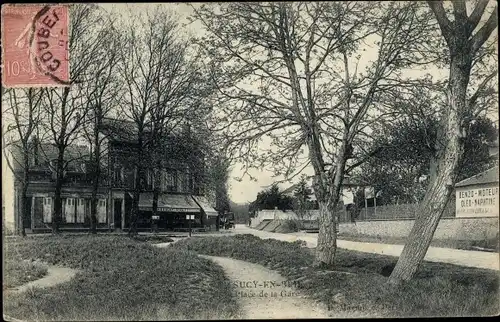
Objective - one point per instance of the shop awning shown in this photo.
(205, 205)
(169, 203)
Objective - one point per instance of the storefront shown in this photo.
(210, 215)
(172, 210)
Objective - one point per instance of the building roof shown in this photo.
(126, 131)
(119, 130)
(488, 176)
(76, 155)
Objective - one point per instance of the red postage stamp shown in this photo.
(35, 45)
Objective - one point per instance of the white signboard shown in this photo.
(477, 202)
(347, 196)
(369, 192)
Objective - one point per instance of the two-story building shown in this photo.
(178, 180)
(177, 175)
(76, 190)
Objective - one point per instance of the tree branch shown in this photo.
(484, 33)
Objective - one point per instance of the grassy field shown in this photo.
(153, 239)
(120, 279)
(437, 290)
(491, 244)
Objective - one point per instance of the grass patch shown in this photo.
(120, 279)
(153, 239)
(437, 290)
(288, 226)
(17, 273)
(491, 244)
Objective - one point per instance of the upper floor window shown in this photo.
(118, 174)
(171, 181)
(149, 179)
(129, 177)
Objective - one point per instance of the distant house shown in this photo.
(477, 196)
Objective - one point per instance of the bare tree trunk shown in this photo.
(96, 173)
(24, 197)
(446, 167)
(57, 217)
(135, 202)
(156, 194)
(23, 208)
(93, 211)
(137, 188)
(327, 237)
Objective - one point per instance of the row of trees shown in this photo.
(399, 171)
(144, 71)
(299, 200)
(318, 78)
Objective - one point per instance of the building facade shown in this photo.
(477, 196)
(177, 179)
(75, 194)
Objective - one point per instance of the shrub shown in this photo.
(288, 226)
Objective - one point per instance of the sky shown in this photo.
(244, 190)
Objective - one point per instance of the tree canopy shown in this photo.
(271, 198)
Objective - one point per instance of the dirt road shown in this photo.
(255, 286)
(434, 254)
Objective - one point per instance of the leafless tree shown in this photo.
(65, 109)
(468, 50)
(22, 115)
(102, 90)
(290, 72)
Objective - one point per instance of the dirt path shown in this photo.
(55, 275)
(252, 281)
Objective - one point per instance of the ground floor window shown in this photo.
(69, 210)
(47, 210)
(101, 211)
(80, 211)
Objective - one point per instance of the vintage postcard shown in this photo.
(250, 160)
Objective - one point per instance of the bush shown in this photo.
(119, 279)
(288, 226)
